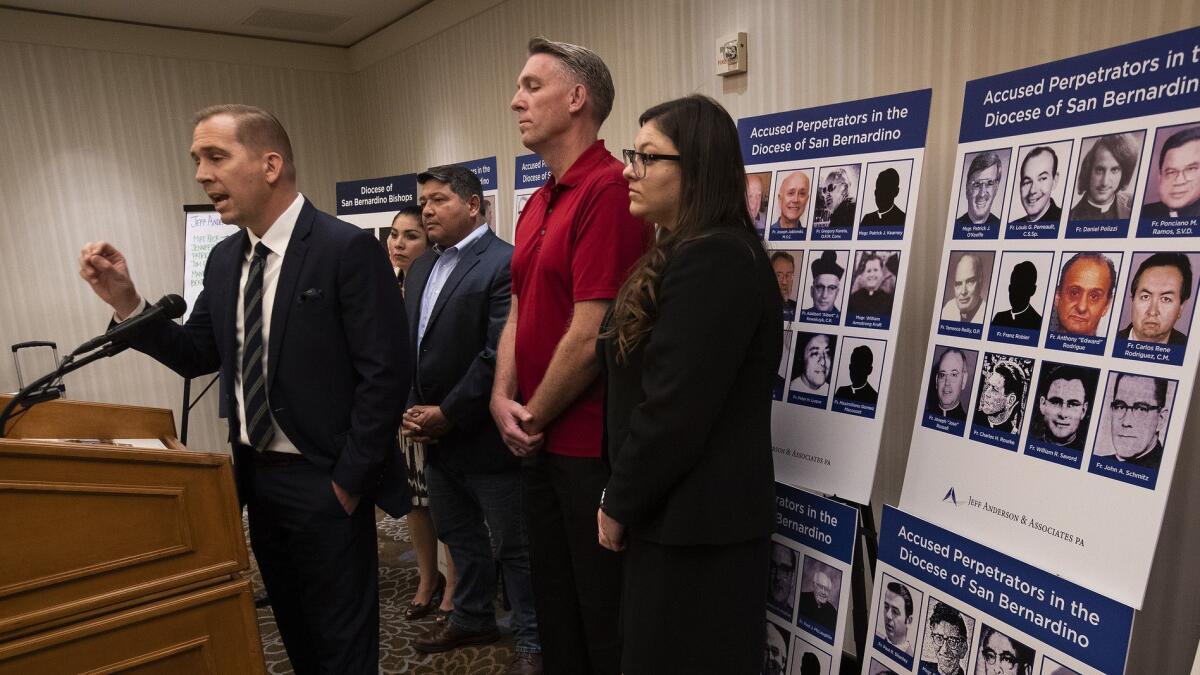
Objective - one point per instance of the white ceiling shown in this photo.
(339, 24)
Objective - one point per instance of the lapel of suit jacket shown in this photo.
(285, 289)
(414, 288)
(470, 258)
(231, 268)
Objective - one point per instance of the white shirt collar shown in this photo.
(466, 241)
(280, 232)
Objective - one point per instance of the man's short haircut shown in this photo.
(944, 613)
(257, 129)
(1177, 139)
(1160, 386)
(902, 591)
(982, 162)
(888, 178)
(862, 354)
(1092, 255)
(1041, 150)
(950, 350)
(1023, 655)
(1068, 372)
(1120, 146)
(783, 255)
(412, 211)
(462, 181)
(1013, 376)
(1024, 273)
(1177, 260)
(586, 67)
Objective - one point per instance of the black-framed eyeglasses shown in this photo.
(640, 160)
(1008, 661)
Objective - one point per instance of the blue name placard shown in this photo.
(1067, 617)
(1054, 453)
(1148, 77)
(943, 424)
(1013, 336)
(960, 328)
(994, 437)
(881, 124)
(372, 195)
(530, 172)
(820, 523)
(485, 168)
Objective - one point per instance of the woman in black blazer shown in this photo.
(691, 347)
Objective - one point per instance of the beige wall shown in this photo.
(110, 129)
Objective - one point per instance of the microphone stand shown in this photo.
(37, 391)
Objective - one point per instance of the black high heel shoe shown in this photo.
(420, 610)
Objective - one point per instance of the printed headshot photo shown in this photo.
(489, 212)
(873, 288)
(898, 607)
(965, 286)
(1003, 390)
(860, 370)
(781, 377)
(983, 178)
(1052, 667)
(521, 201)
(885, 199)
(836, 198)
(1134, 419)
(775, 655)
(781, 596)
(947, 641)
(792, 192)
(1084, 294)
(820, 591)
(812, 366)
(1040, 183)
(824, 281)
(1002, 655)
(878, 668)
(1107, 176)
(808, 659)
(758, 194)
(1159, 303)
(1065, 393)
(1021, 289)
(948, 393)
(1173, 183)
(785, 264)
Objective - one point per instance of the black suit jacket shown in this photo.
(456, 362)
(688, 416)
(337, 367)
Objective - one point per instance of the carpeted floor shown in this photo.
(397, 582)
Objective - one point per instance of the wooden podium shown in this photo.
(118, 559)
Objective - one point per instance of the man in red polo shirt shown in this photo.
(575, 243)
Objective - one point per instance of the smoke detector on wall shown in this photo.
(731, 54)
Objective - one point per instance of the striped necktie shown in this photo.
(254, 383)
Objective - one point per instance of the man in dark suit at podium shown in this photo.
(301, 314)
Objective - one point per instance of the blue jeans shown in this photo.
(466, 509)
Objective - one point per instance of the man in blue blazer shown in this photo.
(301, 315)
(458, 296)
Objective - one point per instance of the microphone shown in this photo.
(168, 308)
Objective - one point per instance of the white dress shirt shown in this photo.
(442, 267)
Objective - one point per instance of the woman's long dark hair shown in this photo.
(712, 195)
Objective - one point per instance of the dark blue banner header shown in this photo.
(531, 172)
(373, 195)
(1069, 618)
(486, 170)
(822, 524)
(1149, 77)
(895, 122)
